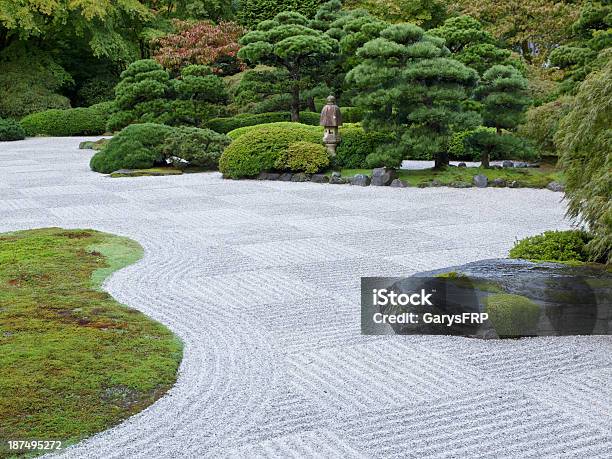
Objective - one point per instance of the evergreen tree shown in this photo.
(409, 85)
(288, 42)
(503, 92)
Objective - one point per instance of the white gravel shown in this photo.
(261, 282)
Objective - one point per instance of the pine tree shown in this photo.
(409, 85)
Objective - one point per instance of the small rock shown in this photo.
(397, 183)
(481, 181)
(435, 183)
(383, 176)
(319, 178)
(262, 176)
(273, 176)
(556, 186)
(461, 165)
(337, 180)
(300, 177)
(360, 180)
(286, 177)
(507, 164)
(499, 183)
(461, 185)
(514, 184)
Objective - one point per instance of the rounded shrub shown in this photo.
(357, 144)
(194, 147)
(234, 134)
(73, 121)
(11, 130)
(563, 246)
(512, 315)
(137, 146)
(457, 146)
(303, 157)
(258, 150)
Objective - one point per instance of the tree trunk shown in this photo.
(484, 159)
(498, 130)
(310, 103)
(295, 102)
(441, 160)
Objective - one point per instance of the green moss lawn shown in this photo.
(526, 177)
(73, 361)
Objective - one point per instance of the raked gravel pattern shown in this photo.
(261, 282)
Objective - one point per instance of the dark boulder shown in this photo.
(383, 176)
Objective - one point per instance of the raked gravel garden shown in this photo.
(260, 281)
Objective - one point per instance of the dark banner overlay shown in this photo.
(452, 304)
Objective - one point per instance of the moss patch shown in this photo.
(526, 177)
(155, 171)
(463, 281)
(73, 361)
(512, 315)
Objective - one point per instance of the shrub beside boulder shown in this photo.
(305, 157)
(11, 130)
(225, 125)
(258, 150)
(556, 246)
(194, 147)
(73, 121)
(138, 146)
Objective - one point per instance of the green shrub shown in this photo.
(73, 121)
(512, 315)
(137, 146)
(357, 144)
(257, 150)
(553, 246)
(251, 12)
(351, 114)
(303, 157)
(234, 134)
(225, 125)
(11, 130)
(194, 146)
(584, 140)
(457, 145)
(542, 122)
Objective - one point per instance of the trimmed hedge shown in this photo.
(137, 146)
(356, 145)
(303, 157)
(194, 147)
(11, 130)
(258, 149)
(73, 121)
(225, 125)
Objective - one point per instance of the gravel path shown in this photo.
(261, 282)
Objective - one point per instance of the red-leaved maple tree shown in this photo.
(201, 42)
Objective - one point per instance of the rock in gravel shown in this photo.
(337, 180)
(360, 180)
(383, 176)
(507, 164)
(499, 183)
(556, 186)
(286, 177)
(461, 165)
(480, 181)
(397, 183)
(300, 177)
(273, 176)
(514, 184)
(262, 176)
(319, 178)
(522, 298)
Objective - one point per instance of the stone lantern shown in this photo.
(331, 119)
